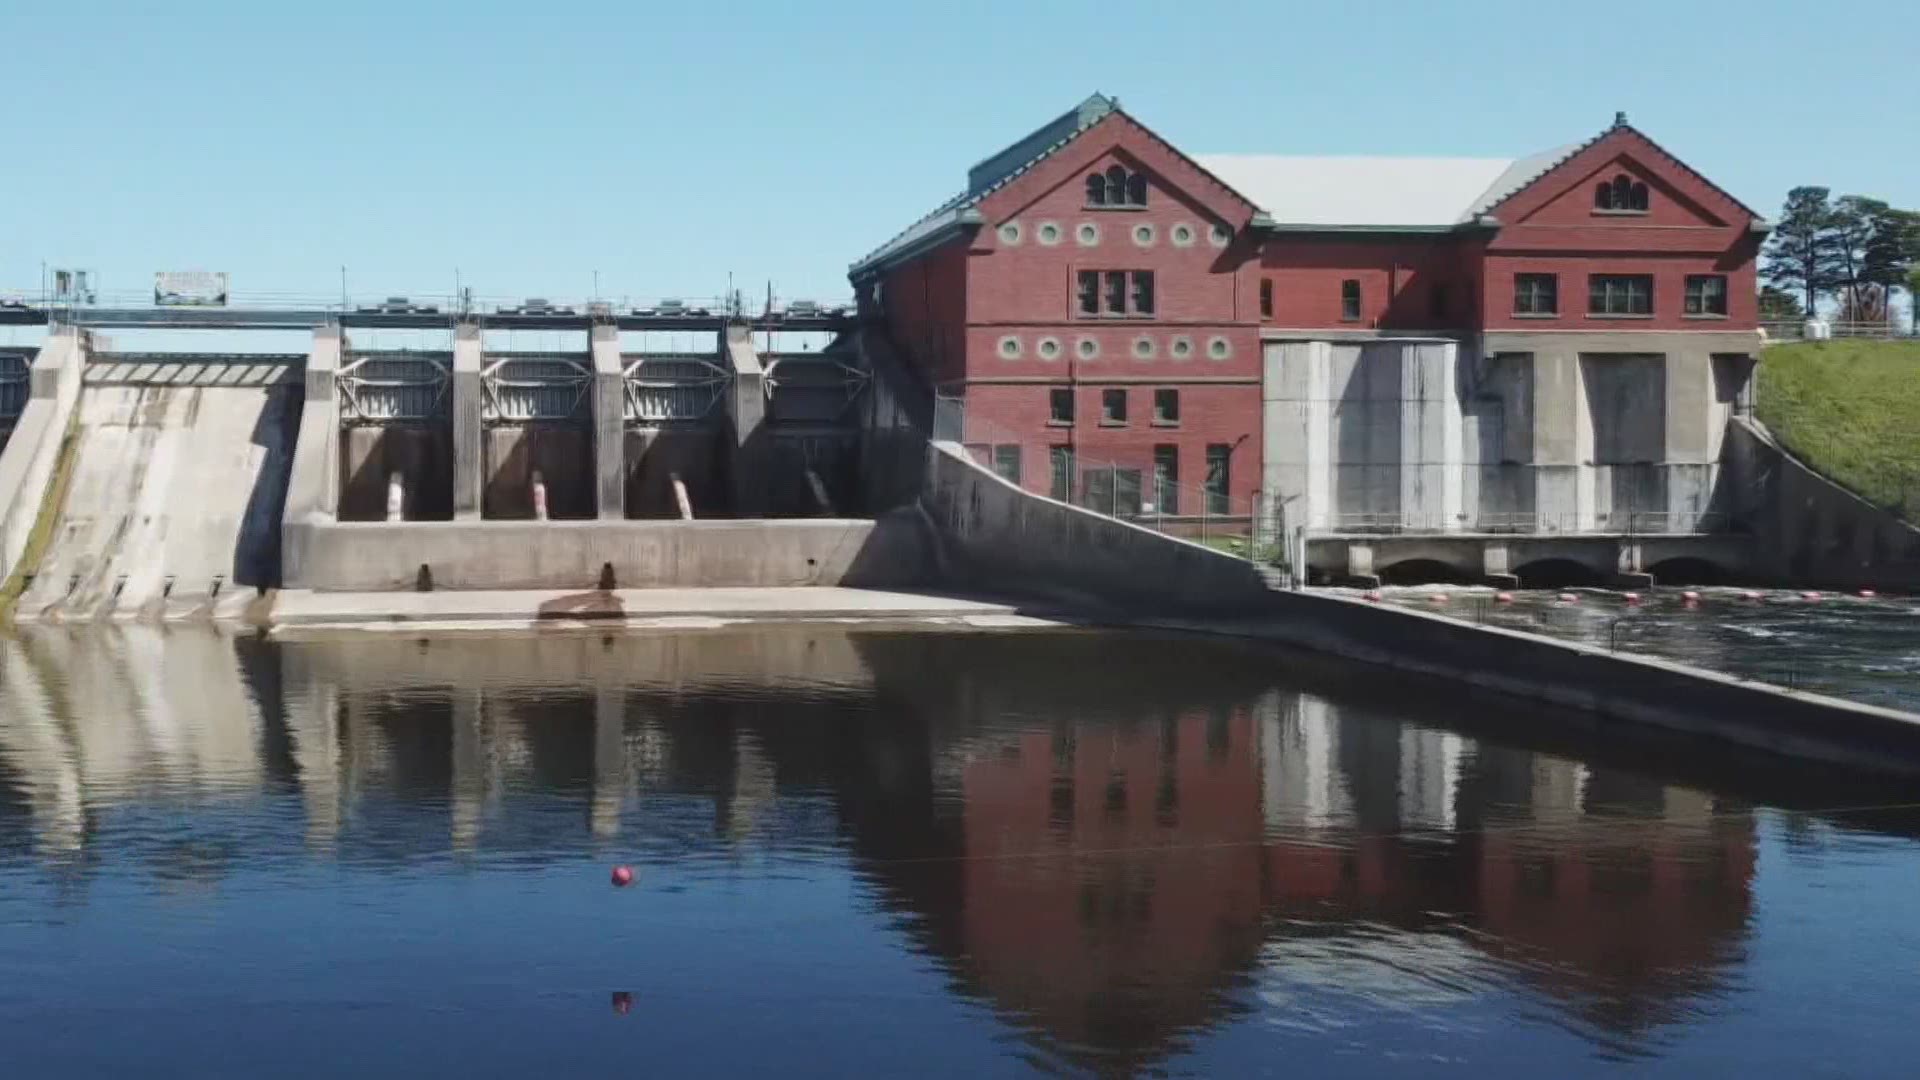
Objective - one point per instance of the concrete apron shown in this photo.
(304, 610)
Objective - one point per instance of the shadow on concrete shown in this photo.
(421, 453)
(563, 456)
(256, 551)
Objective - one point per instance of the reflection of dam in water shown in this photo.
(1097, 848)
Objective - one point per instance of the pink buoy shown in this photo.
(1631, 598)
(1810, 594)
(1750, 594)
(1868, 594)
(1437, 598)
(622, 876)
(1568, 598)
(1690, 596)
(1503, 598)
(1373, 597)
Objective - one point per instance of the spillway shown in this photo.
(177, 476)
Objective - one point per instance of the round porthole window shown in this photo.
(1218, 235)
(1049, 233)
(1143, 348)
(1048, 349)
(1181, 348)
(1088, 234)
(1182, 235)
(1218, 349)
(1087, 348)
(1010, 348)
(1143, 235)
(1010, 233)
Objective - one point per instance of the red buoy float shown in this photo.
(1868, 594)
(1503, 598)
(1373, 597)
(1810, 594)
(1568, 598)
(1437, 598)
(1750, 594)
(1690, 596)
(1631, 598)
(622, 876)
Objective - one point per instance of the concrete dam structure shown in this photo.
(1484, 455)
(179, 485)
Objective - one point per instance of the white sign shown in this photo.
(189, 288)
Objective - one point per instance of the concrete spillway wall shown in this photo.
(1810, 530)
(387, 557)
(173, 498)
(994, 537)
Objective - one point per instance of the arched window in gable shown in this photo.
(1117, 186)
(1621, 193)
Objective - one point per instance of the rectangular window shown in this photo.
(1113, 406)
(1706, 294)
(1114, 292)
(1219, 470)
(1266, 298)
(1060, 461)
(1112, 490)
(1536, 294)
(1166, 406)
(1006, 462)
(1089, 292)
(1143, 292)
(1439, 299)
(1166, 479)
(1060, 406)
(1620, 294)
(1350, 300)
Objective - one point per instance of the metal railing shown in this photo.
(464, 301)
(1141, 488)
(1624, 522)
(1799, 330)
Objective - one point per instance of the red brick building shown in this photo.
(1256, 324)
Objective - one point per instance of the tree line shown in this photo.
(1855, 250)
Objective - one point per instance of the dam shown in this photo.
(181, 484)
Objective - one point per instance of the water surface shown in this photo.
(888, 853)
(1866, 649)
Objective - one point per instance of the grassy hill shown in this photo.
(1851, 409)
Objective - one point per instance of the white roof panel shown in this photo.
(1374, 191)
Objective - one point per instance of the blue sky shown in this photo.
(527, 146)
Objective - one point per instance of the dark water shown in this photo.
(904, 853)
(1863, 649)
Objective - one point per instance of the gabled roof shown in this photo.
(1376, 192)
(1391, 193)
(988, 176)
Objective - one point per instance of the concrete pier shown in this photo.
(609, 423)
(469, 464)
(746, 417)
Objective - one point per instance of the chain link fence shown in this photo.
(1162, 485)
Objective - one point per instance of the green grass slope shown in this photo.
(1850, 409)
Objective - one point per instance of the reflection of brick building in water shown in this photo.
(1106, 861)
(1122, 871)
